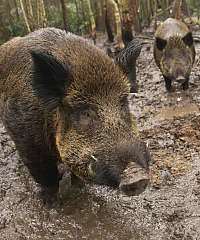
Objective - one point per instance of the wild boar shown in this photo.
(126, 59)
(64, 102)
(174, 52)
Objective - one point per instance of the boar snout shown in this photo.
(126, 167)
(180, 79)
(134, 179)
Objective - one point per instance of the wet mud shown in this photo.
(168, 209)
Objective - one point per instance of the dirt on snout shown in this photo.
(168, 209)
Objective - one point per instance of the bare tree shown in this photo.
(99, 14)
(16, 9)
(24, 15)
(180, 9)
(64, 13)
(113, 21)
(78, 15)
(133, 8)
(41, 14)
(29, 14)
(126, 21)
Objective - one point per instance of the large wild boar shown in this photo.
(174, 52)
(63, 101)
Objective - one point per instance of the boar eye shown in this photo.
(85, 114)
(86, 117)
(188, 39)
(161, 43)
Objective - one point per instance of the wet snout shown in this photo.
(134, 179)
(180, 79)
(126, 166)
(180, 73)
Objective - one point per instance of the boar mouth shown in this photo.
(132, 181)
(103, 174)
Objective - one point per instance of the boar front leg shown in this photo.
(26, 125)
(185, 85)
(168, 84)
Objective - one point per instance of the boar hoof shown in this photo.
(65, 185)
(168, 84)
(185, 85)
(49, 195)
(133, 89)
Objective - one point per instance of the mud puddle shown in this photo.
(168, 113)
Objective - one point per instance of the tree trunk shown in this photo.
(108, 27)
(4, 32)
(84, 19)
(114, 21)
(180, 9)
(88, 18)
(78, 16)
(155, 14)
(64, 13)
(126, 22)
(16, 9)
(133, 8)
(99, 14)
(29, 13)
(176, 10)
(92, 26)
(24, 15)
(41, 14)
(8, 9)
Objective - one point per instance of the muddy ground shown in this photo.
(168, 209)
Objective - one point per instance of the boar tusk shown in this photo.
(94, 158)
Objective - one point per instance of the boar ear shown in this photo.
(188, 39)
(50, 78)
(160, 43)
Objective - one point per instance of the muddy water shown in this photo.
(23, 215)
(178, 111)
(168, 209)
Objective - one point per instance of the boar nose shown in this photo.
(180, 79)
(134, 180)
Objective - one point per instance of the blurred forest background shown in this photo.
(119, 19)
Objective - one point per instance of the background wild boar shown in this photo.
(127, 58)
(174, 52)
(64, 101)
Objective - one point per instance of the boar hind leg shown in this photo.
(185, 85)
(132, 79)
(26, 127)
(168, 84)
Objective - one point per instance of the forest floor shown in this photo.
(168, 209)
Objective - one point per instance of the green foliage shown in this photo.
(194, 6)
(54, 17)
(75, 24)
(12, 30)
(79, 15)
(16, 29)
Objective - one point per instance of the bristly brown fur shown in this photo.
(87, 114)
(175, 42)
(174, 51)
